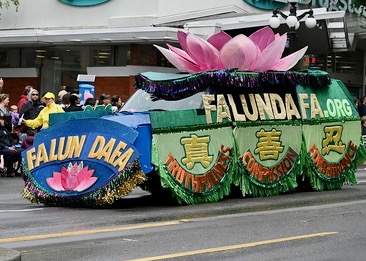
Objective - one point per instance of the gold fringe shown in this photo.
(27, 195)
(126, 188)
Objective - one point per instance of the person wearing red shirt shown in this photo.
(24, 97)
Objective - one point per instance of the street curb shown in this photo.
(7, 254)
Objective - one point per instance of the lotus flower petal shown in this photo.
(272, 53)
(257, 61)
(66, 183)
(204, 53)
(181, 53)
(85, 184)
(73, 178)
(55, 182)
(289, 61)
(182, 38)
(85, 173)
(178, 61)
(263, 37)
(240, 52)
(261, 51)
(69, 177)
(219, 39)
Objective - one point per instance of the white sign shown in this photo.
(85, 78)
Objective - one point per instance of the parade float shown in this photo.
(235, 118)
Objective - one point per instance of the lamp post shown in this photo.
(293, 21)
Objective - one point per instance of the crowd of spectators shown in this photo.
(20, 122)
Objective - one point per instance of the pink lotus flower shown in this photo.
(261, 51)
(74, 178)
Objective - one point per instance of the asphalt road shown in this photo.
(326, 225)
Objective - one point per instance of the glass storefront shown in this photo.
(60, 65)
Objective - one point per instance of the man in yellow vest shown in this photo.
(44, 114)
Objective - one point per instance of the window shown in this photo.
(141, 101)
(345, 62)
(9, 57)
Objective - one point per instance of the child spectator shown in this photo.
(29, 139)
(14, 115)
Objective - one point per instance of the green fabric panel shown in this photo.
(247, 140)
(334, 167)
(316, 135)
(172, 143)
(335, 100)
(346, 92)
(67, 116)
(276, 170)
(182, 118)
(169, 146)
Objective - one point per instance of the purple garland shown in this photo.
(230, 78)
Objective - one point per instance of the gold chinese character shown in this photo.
(196, 149)
(269, 145)
(332, 140)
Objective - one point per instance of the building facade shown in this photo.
(48, 43)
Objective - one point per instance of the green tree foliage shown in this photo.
(7, 3)
(359, 2)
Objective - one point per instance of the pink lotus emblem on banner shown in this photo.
(74, 178)
(261, 51)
